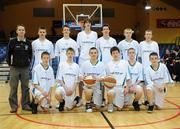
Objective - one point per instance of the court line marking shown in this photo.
(103, 126)
(107, 120)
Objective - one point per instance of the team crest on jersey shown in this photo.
(26, 47)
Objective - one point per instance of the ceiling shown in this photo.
(174, 3)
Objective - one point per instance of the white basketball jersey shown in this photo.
(68, 73)
(43, 77)
(62, 45)
(39, 47)
(145, 50)
(124, 45)
(85, 42)
(135, 72)
(104, 45)
(119, 70)
(159, 76)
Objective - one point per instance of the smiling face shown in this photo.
(20, 31)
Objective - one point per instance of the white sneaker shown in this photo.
(88, 107)
(110, 108)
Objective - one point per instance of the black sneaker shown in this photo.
(136, 105)
(146, 103)
(77, 101)
(150, 109)
(61, 105)
(34, 107)
(88, 107)
(103, 103)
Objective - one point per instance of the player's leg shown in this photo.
(59, 95)
(137, 96)
(150, 98)
(110, 98)
(119, 98)
(24, 78)
(159, 98)
(14, 81)
(88, 95)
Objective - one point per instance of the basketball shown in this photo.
(109, 81)
(89, 81)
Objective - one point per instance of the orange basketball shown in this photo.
(109, 82)
(89, 81)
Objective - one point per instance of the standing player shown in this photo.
(64, 43)
(135, 70)
(67, 77)
(157, 77)
(146, 47)
(43, 81)
(119, 70)
(104, 44)
(86, 39)
(127, 43)
(96, 69)
(19, 55)
(40, 45)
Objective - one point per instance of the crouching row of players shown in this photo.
(127, 76)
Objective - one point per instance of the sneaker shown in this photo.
(103, 103)
(88, 107)
(61, 105)
(150, 109)
(136, 105)
(34, 108)
(79, 102)
(110, 108)
(146, 103)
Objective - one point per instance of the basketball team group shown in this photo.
(110, 74)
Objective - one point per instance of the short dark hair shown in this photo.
(87, 21)
(131, 49)
(93, 48)
(20, 25)
(153, 54)
(45, 53)
(42, 28)
(70, 49)
(114, 49)
(106, 25)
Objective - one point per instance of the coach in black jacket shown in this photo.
(19, 55)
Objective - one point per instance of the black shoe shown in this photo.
(103, 103)
(150, 109)
(77, 99)
(146, 103)
(136, 105)
(61, 105)
(34, 108)
(88, 107)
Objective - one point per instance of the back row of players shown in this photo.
(98, 57)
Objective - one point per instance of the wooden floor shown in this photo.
(168, 118)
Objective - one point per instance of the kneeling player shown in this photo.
(43, 81)
(67, 79)
(157, 77)
(119, 70)
(135, 70)
(96, 69)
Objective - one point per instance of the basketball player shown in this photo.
(146, 47)
(135, 70)
(67, 77)
(43, 81)
(157, 77)
(127, 43)
(64, 43)
(96, 69)
(104, 44)
(119, 70)
(86, 39)
(40, 45)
